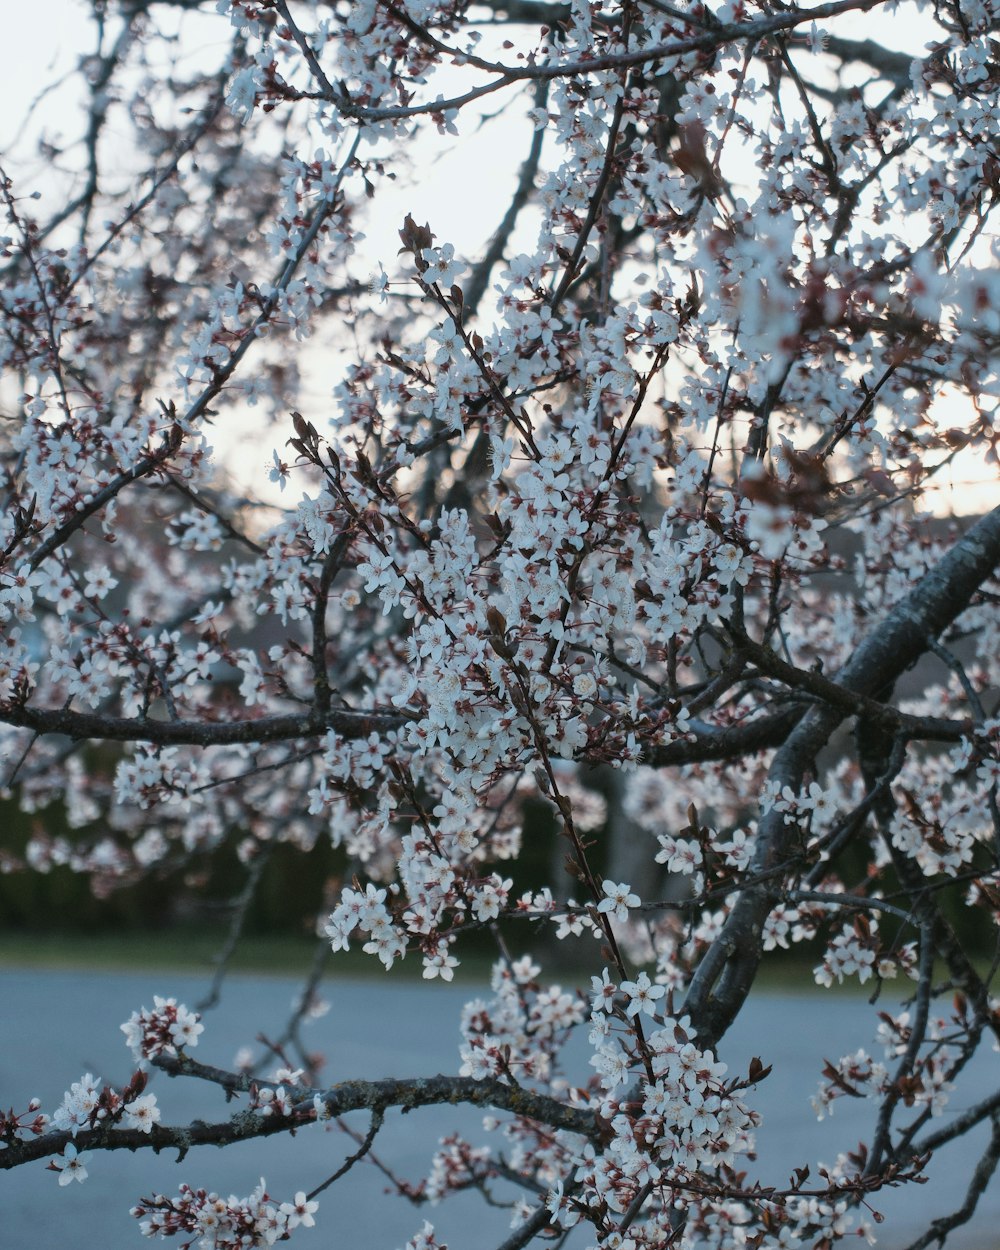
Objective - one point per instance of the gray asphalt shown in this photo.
(54, 1026)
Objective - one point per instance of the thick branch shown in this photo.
(709, 742)
(97, 727)
(982, 1174)
(375, 1096)
(895, 66)
(851, 703)
(725, 975)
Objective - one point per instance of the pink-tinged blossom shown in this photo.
(642, 995)
(241, 94)
(165, 1029)
(425, 1239)
(300, 1211)
(142, 1113)
(80, 1105)
(221, 1223)
(441, 266)
(617, 900)
(439, 963)
(603, 991)
(72, 1166)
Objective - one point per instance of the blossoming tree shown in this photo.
(641, 484)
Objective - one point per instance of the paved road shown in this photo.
(55, 1026)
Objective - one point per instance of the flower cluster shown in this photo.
(165, 1030)
(518, 1034)
(680, 1117)
(19, 1126)
(215, 1223)
(88, 1103)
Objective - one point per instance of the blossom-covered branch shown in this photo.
(528, 560)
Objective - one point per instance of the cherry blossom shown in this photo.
(613, 620)
(617, 899)
(642, 995)
(72, 1165)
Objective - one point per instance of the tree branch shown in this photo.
(725, 975)
(100, 728)
(374, 1096)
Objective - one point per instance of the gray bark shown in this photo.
(726, 973)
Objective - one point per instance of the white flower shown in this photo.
(442, 267)
(642, 994)
(98, 582)
(241, 94)
(278, 471)
(378, 284)
(603, 992)
(300, 1211)
(501, 450)
(186, 1028)
(585, 685)
(74, 1166)
(440, 964)
(618, 899)
(143, 1113)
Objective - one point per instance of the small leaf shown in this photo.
(496, 621)
(415, 238)
(758, 1071)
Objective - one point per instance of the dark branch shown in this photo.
(373, 1096)
(725, 975)
(97, 727)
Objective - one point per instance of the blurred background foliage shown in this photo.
(194, 901)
